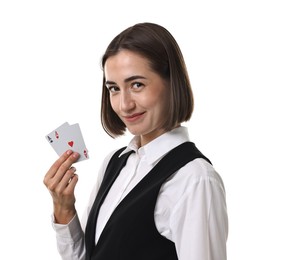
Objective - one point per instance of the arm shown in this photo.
(199, 224)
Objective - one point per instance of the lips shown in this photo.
(133, 117)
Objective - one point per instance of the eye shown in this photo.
(137, 85)
(112, 88)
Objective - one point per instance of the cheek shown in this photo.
(114, 103)
(163, 107)
(157, 106)
(161, 102)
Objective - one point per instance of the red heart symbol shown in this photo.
(70, 143)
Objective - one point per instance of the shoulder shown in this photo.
(195, 173)
(200, 170)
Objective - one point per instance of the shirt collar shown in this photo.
(157, 148)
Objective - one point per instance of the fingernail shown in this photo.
(75, 155)
(69, 152)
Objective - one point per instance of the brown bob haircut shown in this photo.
(155, 43)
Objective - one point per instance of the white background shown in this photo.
(50, 73)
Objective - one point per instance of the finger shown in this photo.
(71, 184)
(58, 182)
(56, 165)
(66, 179)
(58, 169)
(66, 165)
(66, 187)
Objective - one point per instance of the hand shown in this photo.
(61, 181)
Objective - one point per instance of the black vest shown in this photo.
(130, 233)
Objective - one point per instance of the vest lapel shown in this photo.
(114, 167)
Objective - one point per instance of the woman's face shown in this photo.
(138, 95)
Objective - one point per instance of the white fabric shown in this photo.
(190, 209)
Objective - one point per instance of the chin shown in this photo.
(137, 130)
(134, 132)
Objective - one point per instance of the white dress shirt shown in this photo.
(190, 209)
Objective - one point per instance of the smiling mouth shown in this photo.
(133, 117)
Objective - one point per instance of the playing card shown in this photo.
(68, 137)
(74, 141)
(56, 139)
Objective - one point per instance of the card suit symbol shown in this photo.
(70, 143)
(85, 153)
(56, 134)
(50, 139)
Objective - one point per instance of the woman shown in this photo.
(159, 197)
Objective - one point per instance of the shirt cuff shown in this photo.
(69, 233)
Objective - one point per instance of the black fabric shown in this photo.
(130, 233)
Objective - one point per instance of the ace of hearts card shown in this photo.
(68, 137)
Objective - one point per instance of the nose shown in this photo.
(127, 102)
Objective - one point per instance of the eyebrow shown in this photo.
(127, 79)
